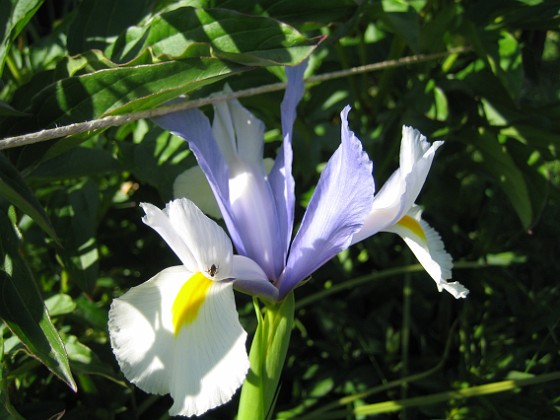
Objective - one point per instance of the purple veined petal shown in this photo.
(255, 218)
(193, 126)
(239, 133)
(338, 208)
(241, 187)
(251, 279)
(280, 177)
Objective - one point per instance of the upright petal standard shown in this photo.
(179, 332)
(258, 208)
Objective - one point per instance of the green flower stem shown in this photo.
(267, 356)
(475, 391)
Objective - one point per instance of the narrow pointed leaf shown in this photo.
(23, 310)
(14, 15)
(16, 191)
(501, 166)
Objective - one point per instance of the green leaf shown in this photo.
(8, 111)
(406, 25)
(85, 361)
(244, 39)
(157, 160)
(59, 304)
(23, 310)
(267, 356)
(16, 191)
(296, 11)
(14, 15)
(124, 89)
(76, 220)
(97, 22)
(498, 163)
(75, 163)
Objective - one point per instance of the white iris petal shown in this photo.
(198, 241)
(170, 338)
(427, 246)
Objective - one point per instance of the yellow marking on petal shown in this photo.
(412, 224)
(189, 300)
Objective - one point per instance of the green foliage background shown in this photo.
(370, 326)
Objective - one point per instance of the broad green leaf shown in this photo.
(23, 310)
(16, 191)
(14, 15)
(124, 89)
(267, 356)
(249, 40)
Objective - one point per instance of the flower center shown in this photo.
(189, 300)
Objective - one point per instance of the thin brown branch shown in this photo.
(116, 120)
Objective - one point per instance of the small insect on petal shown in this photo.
(213, 270)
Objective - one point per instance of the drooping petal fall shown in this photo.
(427, 246)
(192, 349)
(337, 209)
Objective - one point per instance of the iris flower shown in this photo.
(258, 207)
(179, 332)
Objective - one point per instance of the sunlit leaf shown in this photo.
(249, 40)
(124, 89)
(59, 304)
(14, 15)
(23, 310)
(85, 361)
